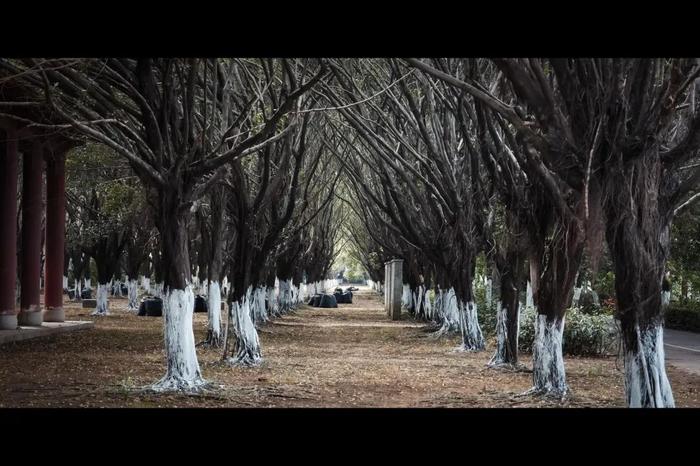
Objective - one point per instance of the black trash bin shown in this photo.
(315, 300)
(151, 307)
(328, 300)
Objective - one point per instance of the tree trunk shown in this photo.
(183, 372)
(507, 327)
(638, 234)
(214, 271)
(133, 294)
(552, 291)
(101, 296)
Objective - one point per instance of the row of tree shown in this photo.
(537, 162)
(529, 161)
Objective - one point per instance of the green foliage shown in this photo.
(584, 334)
(605, 284)
(683, 316)
(685, 251)
(487, 315)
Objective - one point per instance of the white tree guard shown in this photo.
(102, 294)
(78, 290)
(271, 301)
(472, 337)
(449, 313)
(133, 295)
(183, 373)
(158, 290)
(258, 305)
(489, 292)
(406, 298)
(665, 298)
(214, 311)
(247, 342)
(285, 297)
(548, 373)
(646, 383)
(500, 357)
(577, 296)
(529, 301)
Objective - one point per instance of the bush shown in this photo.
(584, 334)
(683, 316)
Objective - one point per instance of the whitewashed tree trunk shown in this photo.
(102, 294)
(665, 298)
(133, 295)
(258, 305)
(78, 290)
(489, 292)
(577, 296)
(214, 314)
(285, 297)
(183, 373)
(427, 307)
(472, 337)
(87, 284)
(65, 282)
(500, 357)
(548, 373)
(158, 290)
(271, 301)
(406, 299)
(449, 313)
(646, 383)
(529, 301)
(247, 342)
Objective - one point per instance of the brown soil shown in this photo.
(352, 356)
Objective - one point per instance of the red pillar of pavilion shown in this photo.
(30, 307)
(8, 228)
(55, 236)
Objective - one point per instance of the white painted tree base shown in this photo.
(133, 295)
(548, 372)
(472, 337)
(500, 357)
(646, 383)
(247, 352)
(183, 373)
(102, 308)
(213, 339)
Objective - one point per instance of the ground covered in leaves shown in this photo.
(352, 356)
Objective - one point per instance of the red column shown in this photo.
(30, 307)
(55, 237)
(8, 228)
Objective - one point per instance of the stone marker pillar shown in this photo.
(387, 274)
(393, 288)
(32, 209)
(8, 228)
(55, 237)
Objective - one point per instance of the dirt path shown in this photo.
(345, 357)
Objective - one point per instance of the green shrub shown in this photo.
(683, 316)
(584, 334)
